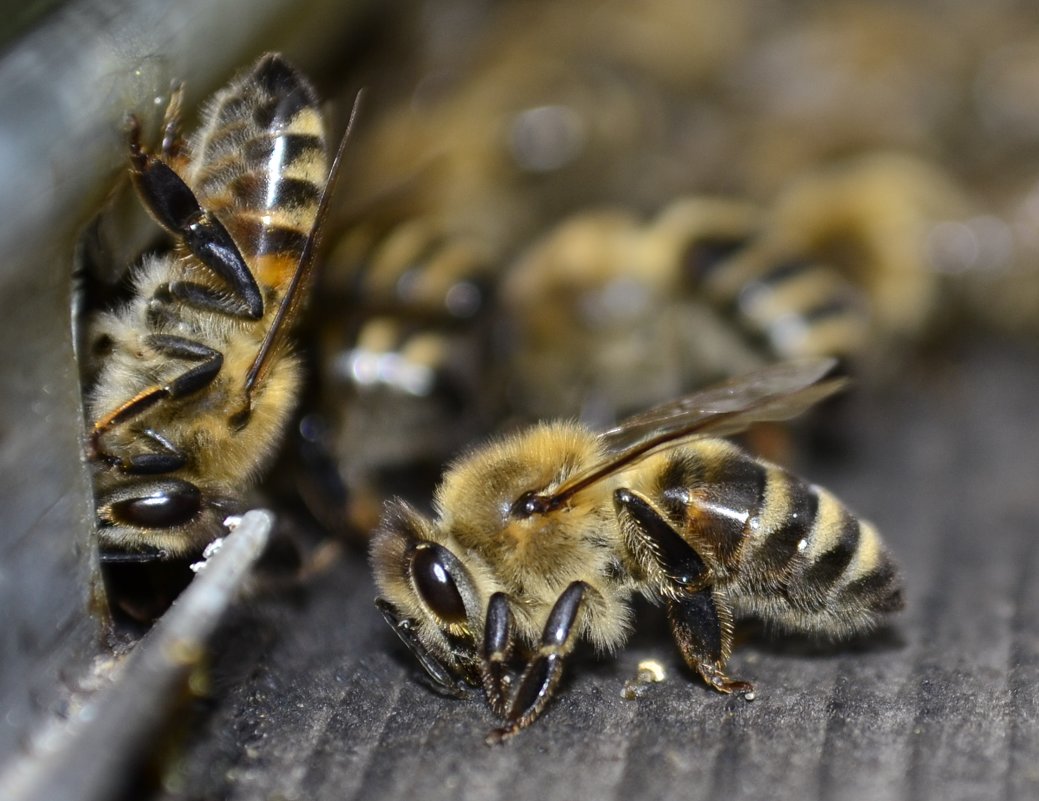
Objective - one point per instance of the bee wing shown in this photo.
(778, 392)
(296, 291)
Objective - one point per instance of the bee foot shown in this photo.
(500, 735)
(723, 684)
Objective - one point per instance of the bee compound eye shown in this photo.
(429, 571)
(169, 505)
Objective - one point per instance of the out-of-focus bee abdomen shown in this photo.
(788, 550)
(795, 305)
(258, 163)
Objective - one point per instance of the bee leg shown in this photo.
(172, 141)
(166, 457)
(701, 621)
(175, 207)
(542, 674)
(200, 296)
(684, 570)
(191, 380)
(440, 675)
(497, 647)
(701, 624)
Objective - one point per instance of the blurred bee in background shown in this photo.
(596, 320)
(606, 313)
(540, 539)
(403, 345)
(192, 379)
(875, 219)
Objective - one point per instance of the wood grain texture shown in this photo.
(314, 699)
(46, 559)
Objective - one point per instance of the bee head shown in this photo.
(428, 596)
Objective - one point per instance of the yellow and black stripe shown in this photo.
(785, 549)
(259, 164)
(794, 304)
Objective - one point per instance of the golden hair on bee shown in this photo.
(540, 539)
(536, 556)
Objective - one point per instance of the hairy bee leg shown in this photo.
(497, 646)
(684, 568)
(206, 298)
(172, 141)
(172, 203)
(702, 627)
(541, 676)
(191, 380)
(439, 674)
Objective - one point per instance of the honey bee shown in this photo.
(876, 219)
(696, 293)
(541, 539)
(195, 380)
(787, 301)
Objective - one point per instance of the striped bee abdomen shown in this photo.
(784, 549)
(810, 565)
(795, 306)
(258, 164)
(714, 487)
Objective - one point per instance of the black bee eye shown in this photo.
(435, 585)
(175, 505)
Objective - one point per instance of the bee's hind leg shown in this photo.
(541, 676)
(701, 624)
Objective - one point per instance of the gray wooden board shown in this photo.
(314, 699)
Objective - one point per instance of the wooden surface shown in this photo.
(312, 697)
